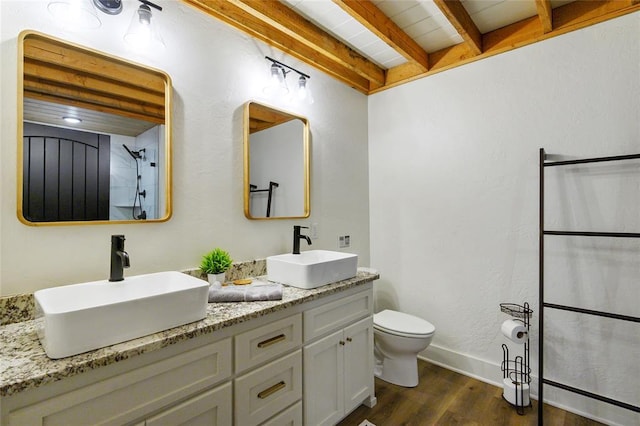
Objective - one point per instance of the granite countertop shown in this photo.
(24, 364)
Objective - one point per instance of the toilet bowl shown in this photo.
(398, 338)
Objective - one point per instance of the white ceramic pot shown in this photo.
(216, 279)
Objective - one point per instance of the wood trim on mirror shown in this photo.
(119, 97)
(259, 117)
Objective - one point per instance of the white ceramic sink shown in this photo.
(311, 269)
(81, 317)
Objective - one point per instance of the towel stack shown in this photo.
(254, 292)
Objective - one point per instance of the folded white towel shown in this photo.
(246, 293)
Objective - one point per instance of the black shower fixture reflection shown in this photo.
(137, 199)
(135, 154)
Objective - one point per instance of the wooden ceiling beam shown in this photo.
(570, 17)
(283, 18)
(109, 106)
(583, 13)
(256, 27)
(545, 15)
(369, 15)
(316, 47)
(88, 85)
(65, 74)
(404, 72)
(80, 61)
(455, 12)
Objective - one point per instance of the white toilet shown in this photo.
(398, 338)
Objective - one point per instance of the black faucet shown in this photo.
(119, 258)
(297, 236)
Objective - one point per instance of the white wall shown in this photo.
(454, 205)
(215, 69)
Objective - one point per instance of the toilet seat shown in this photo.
(401, 324)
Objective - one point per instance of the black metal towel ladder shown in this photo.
(542, 304)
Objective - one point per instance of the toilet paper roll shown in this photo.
(514, 331)
(509, 393)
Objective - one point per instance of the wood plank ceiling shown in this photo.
(110, 95)
(299, 28)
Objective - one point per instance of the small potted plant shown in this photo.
(214, 264)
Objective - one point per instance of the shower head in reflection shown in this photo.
(137, 199)
(134, 154)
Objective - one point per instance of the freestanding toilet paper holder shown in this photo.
(516, 373)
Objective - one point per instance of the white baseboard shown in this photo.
(477, 368)
(489, 372)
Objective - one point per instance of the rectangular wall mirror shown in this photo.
(276, 163)
(94, 136)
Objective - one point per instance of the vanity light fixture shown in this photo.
(79, 14)
(278, 82)
(142, 33)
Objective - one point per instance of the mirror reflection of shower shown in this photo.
(136, 187)
(137, 198)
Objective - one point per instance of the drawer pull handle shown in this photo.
(349, 339)
(341, 342)
(272, 341)
(271, 390)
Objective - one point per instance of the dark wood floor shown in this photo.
(444, 397)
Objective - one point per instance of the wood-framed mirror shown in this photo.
(276, 163)
(94, 136)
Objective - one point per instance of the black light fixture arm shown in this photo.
(282, 65)
(148, 3)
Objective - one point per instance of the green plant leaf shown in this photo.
(216, 261)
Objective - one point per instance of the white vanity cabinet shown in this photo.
(309, 363)
(338, 368)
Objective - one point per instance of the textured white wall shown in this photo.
(215, 69)
(454, 205)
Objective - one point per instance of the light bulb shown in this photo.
(303, 93)
(144, 15)
(277, 84)
(141, 33)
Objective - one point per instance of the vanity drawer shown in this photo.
(337, 314)
(267, 342)
(292, 416)
(269, 389)
(210, 408)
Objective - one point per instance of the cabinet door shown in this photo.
(211, 408)
(323, 380)
(358, 363)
